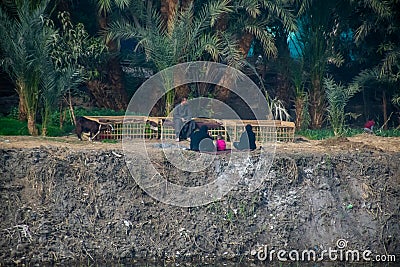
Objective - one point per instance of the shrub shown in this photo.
(338, 96)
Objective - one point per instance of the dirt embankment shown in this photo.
(79, 204)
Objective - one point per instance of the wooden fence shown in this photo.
(138, 127)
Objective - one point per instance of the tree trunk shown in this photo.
(245, 43)
(222, 93)
(299, 109)
(283, 89)
(62, 115)
(384, 107)
(181, 92)
(105, 95)
(186, 3)
(22, 112)
(32, 124)
(110, 93)
(317, 104)
(365, 102)
(167, 10)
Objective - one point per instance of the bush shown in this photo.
(338, 96)
(348, 132)
(55, 117)
(316, 134)
(10, 126)
(53, 131)
(388, 133)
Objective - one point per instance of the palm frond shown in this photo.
(252, 7)
(104, 6)
(396, 100)
(362, 31)
(122, 4)
(304, 6)
(207, 43)
(366, 76)
(338, 96)
(336, 59)
(380, 7)
(266, 39)
(283, 12)
(211, 12)
(231, 53)
(391, 60)
(121, 30)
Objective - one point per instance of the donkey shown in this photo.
(84, 125)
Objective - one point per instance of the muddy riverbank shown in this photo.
(69, 204)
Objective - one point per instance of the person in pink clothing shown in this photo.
(369, 126)
(221, 145)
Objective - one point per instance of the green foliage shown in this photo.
(25, 43)
(321, 134)
(11, 126)
(377, 33)
(55, 116)
(388, 133)
(13, 113)
(98, 112)
(73, 49)
(261, 19)
(43, 62)
(109, 141)
(54, 131)
(317, 36)
(73, 55)
(186, 37)
(316, 134)
(301, 96)
(338, 97)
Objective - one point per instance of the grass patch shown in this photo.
(388, 133)
(109, 141)
(349, 132)
(53, 131)
(316, 134)
(11, 126)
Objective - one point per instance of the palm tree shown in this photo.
(377, 31)
(110, 93)
(74, 56)
(338, 96)
(25, 44)
(258, 20)
(256, 25)
(188, 37)
(318, 31)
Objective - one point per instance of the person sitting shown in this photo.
(247, 139)
(201, 141)
(220, 144)
(369, 126)
(183, 123)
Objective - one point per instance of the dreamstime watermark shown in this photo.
(142, 164)
(339, 253)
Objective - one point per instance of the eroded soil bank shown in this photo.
(63, 205)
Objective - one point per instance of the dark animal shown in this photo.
(84, 125)
(202, 141)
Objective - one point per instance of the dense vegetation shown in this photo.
(316, 60)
